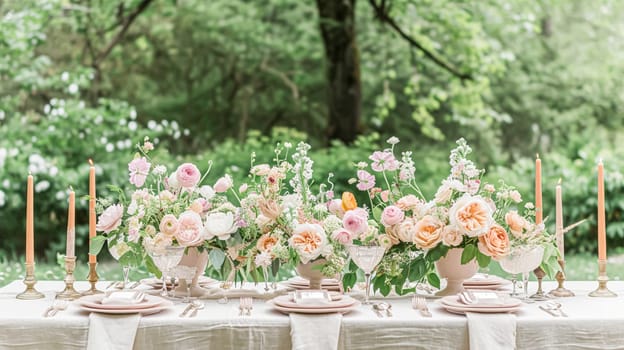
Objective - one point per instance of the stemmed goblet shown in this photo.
(165, 259)
(366, 258)
(522, 259)
(186, 274)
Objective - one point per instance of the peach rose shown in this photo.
(515, 222)
(471, 215)
(266, 243)
(406, 229)
(409, 202)
(309, 240)
(190, 229)
(494, 243)
(391, 232)
(428, 232)
(269, 208)
(451, 236)
(168, 225)
(348, 201)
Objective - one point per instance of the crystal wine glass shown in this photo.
(166, 259)
(522, 259)
(366, 258)
(114, 252)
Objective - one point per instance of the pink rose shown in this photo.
(169, 225)
(110, 219)
(342, 236)
(139, 169)
(355, 222)
(384, 195)
(335, 207)
(190, 229)
(392, 215)
(188, 175)
(409, 202)
(223, 184)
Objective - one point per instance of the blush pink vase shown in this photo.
(311, 271)
(451, 268)
(199, 260)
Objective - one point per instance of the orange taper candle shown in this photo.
(602, 228)
(30, 224)
(92, 218)
(71, 226)
(539, 210)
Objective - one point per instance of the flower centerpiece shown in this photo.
(163, 210)
(472, 218)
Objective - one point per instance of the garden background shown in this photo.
(219, 79)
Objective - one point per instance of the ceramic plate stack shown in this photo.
(286, 304)
(150, 305)
(503, 304)
(156, 283)
(302, 283)
(489, 282)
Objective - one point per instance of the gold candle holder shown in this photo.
(69, 293)
(602, 290)
(561, 291)
(30, 293)
(93, 279)
(539, 295)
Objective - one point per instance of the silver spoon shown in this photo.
(379, 308)
(197, 305)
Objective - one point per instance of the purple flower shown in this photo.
(366, 180)
(139, 168)
(383, 161)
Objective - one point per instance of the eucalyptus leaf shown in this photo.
(217, 257)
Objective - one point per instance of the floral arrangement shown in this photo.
(464, 213)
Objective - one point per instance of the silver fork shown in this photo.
(419, 303)
(57, 305)
(248, 305)
(241, 306)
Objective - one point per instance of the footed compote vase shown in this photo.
(455, 273)
(312, 272)
(199, 260)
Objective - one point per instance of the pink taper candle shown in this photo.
(30, 224)
(559, 220)
(602, 228)
(71, 226)
(92, 218)
(538, 191)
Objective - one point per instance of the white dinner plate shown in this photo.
(288, 310)
(148, 311)
(95, 302)
(480, 280)
(287, 302)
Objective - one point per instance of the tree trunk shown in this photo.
(337, 22)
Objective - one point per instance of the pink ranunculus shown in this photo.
(188, 175)
(335, 207)
(355, 222)
(190, 229)
(223, 184)
(384, 161)
(384, 195)
(110, 219)
(342, 236)
(139, 169)
(169, 225)
(392, 215)
(366, 181)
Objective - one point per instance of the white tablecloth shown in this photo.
(594, 323)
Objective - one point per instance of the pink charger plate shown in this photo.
(95, 302)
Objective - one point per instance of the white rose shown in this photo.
(221, 225)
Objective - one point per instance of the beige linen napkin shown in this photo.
(491, 331)
(305, 331)
(112, 332)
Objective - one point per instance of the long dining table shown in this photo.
(592, 323)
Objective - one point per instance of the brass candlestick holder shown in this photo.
(93, 279)
(561, 291)
(539, 295)
(30, 293)
(602, 290)
(69, 293)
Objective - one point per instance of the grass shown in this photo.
(578, 266)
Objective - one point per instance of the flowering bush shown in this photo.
(464, 213)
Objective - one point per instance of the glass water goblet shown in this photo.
(186, 274)
(366, 258)
(114, 252)
(166, 259)
(522, 260)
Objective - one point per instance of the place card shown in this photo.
(484, 297)
(123, 298)
(312, 297)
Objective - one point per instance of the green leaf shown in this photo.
(433, 280)
(348, 280)
(417, 270)
(437, 252)
(385, 289)
(469, 253)
(217, 257)
(151, 267)
(96, 245)
(483, 259)
(377, 213)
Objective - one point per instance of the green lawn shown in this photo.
(579, 267)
